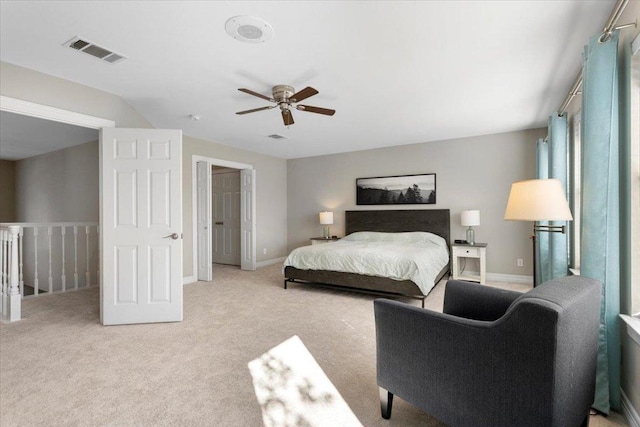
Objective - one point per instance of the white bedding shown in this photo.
(415, 256)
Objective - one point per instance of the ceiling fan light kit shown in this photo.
(284, 96)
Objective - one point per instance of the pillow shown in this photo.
(407, 237)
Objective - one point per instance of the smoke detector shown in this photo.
(249, 29)
(83, 45)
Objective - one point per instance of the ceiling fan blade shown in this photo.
(287, 117)
(319, 110)
(259, 95)
(256, 109)
(303, 94)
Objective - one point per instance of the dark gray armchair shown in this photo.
(494, 357)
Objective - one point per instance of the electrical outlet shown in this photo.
(264, 251)
(520, 262)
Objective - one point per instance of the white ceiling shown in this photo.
(23, 136)
(395, 72)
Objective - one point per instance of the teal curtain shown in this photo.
(600, 243)
(558, 159)
(543, 272)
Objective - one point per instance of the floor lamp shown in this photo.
(538, 200)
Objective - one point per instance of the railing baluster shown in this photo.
(75, 257)
(36, 286)
(98, 265)
(63, 278)
(13, 311)
(3, 271)
(21, 255)
(50, 232)
(87, 274)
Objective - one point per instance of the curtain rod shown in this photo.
(609, 27)
(613, 18)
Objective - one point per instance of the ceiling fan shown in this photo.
(284, 96)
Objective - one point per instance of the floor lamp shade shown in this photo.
(538, 200)
(326, 219)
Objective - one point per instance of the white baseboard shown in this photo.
(270, 262)
(190, 279)
(629, 411)
(512, 278)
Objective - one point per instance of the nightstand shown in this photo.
(321, 240)
(463, 250)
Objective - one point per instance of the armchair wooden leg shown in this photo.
(386, 402)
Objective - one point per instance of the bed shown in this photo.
(436, 221)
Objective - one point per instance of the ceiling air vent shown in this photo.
(90, 48)
(276, 136)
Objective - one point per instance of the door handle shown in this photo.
(219, 222)
(174, 236)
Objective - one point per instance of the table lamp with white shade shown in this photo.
(538, 200)
(326, 219)
(470, 219)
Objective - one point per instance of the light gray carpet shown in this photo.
(59, 366)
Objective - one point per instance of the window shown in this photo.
(635, 177)
(575, 188)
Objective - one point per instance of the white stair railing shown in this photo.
(29, 251)
(9, 276)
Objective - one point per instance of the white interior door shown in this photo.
(226, 217)
(248, 219)
(141, 225)
(203, 206)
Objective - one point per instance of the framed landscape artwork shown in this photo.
(397, 190)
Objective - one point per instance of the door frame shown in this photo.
(194, 207)
(54, 114)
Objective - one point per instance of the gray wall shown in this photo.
(471, 173)
(32, 86)
(7, 191)
(61, 186)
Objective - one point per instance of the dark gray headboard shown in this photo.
(436, 221)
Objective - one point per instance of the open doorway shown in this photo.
(225, 215)
(52, 155)
(240, 194)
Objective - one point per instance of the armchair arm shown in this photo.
(479, 302)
